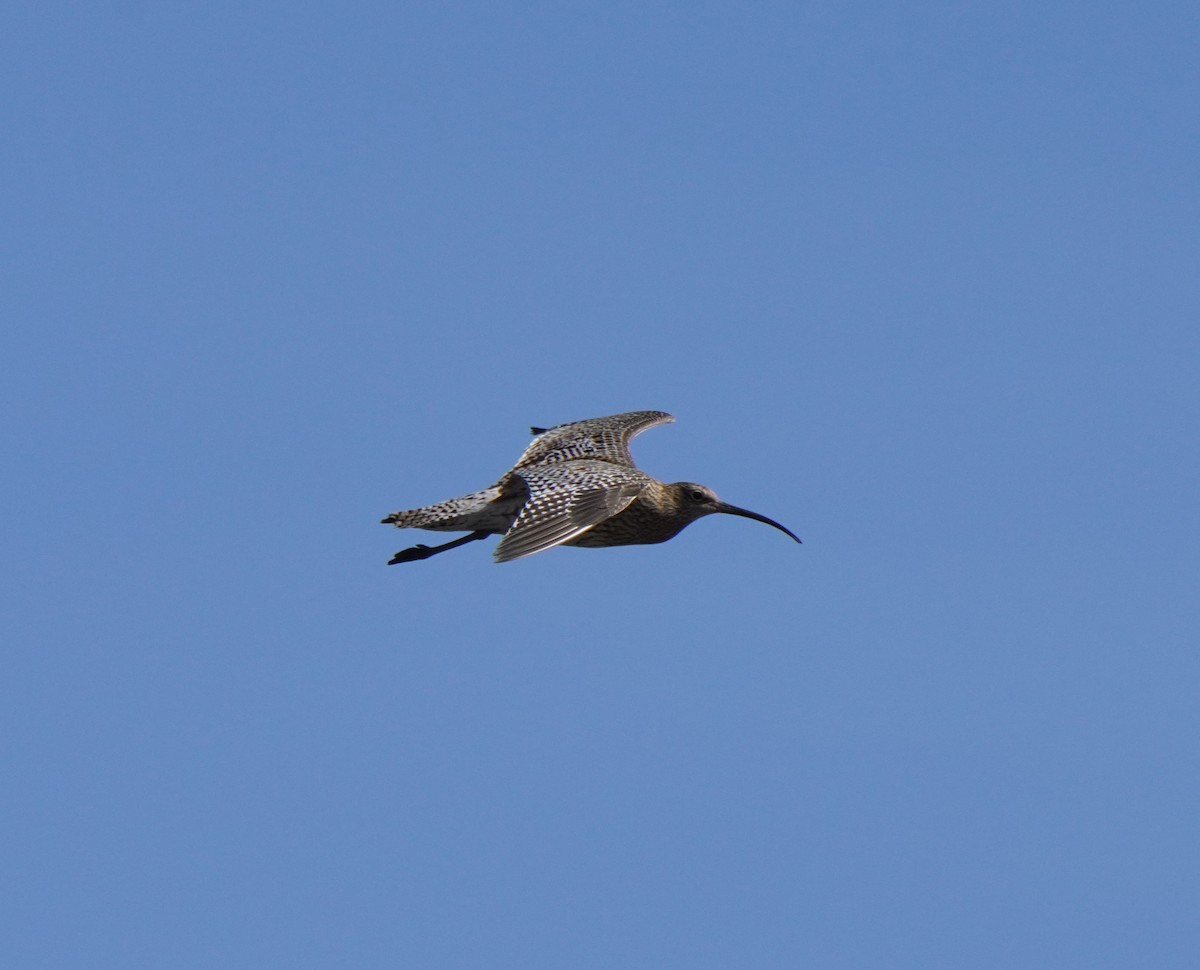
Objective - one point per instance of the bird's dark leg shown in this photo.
(420, 551)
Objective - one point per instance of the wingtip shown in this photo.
(503, 555)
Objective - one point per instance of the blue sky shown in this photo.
(919, 281)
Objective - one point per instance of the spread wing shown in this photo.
(565, 500)
(597, 439)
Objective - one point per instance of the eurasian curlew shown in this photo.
(575, 485)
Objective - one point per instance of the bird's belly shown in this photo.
(619, 531)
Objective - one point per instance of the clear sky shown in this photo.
(918, 280)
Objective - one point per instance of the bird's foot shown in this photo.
(419, 551)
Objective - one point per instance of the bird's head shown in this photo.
(696, 500)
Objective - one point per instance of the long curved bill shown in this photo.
(734, 510)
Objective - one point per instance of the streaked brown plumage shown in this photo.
(575, 485)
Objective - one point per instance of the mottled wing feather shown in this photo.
(597, 439)
(566, 500)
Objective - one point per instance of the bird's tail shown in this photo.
(453, 515)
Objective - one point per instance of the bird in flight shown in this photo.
(575, 485)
